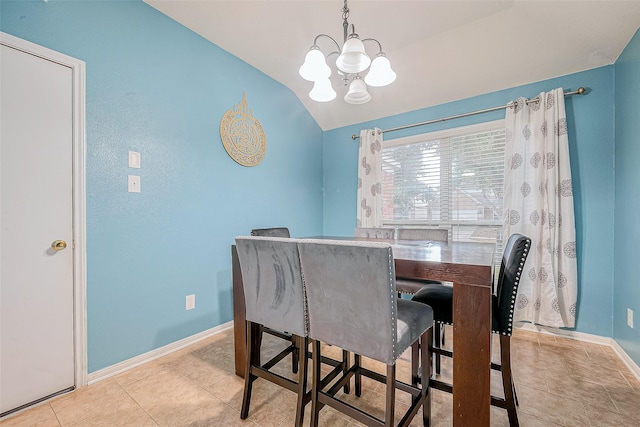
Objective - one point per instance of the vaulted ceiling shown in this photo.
(442, 51)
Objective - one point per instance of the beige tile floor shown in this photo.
(560, 382)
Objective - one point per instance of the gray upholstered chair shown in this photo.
(274, 298)
(279, 232)
(352, 303)
(440, 298)
(374, 233)
(436, 234)
(271, 232)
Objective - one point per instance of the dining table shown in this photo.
(470, 267)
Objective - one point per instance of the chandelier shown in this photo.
(351, 61)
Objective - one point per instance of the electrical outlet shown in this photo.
(190, 302)
(630, 317)
(133, 184)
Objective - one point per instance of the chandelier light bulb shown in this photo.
(358, 93)
(380, 74)
(315, 67)
(353, 58)
(322, 91)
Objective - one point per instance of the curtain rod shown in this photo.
(579, 91)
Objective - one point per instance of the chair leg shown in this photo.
(315, 383)
(345, 368)
(415, 364)
(254, 340)
(426, 360)
(358, 376)
(295, 355)
(507, 380)
(303, 344)
(390, 405)
(438, 337)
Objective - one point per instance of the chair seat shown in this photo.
(440, 298)
(413, 320)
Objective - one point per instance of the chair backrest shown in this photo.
(351, 296)
(437, 234)
(272, 281)
(515, 254)
(374, 233)
(271, 232)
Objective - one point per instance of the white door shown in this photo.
(36, 279)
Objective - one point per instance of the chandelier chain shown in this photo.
(345, 23)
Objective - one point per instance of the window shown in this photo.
(449, 179)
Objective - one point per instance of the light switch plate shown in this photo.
(134, 159)
(190, 302)
(134, 184)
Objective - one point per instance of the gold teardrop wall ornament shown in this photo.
(242, 135)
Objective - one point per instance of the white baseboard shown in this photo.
(581, 336)
(635, 370)
(123, 366)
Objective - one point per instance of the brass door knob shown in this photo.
(59, 245)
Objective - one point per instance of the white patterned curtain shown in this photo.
(369, 176)
(538, 202)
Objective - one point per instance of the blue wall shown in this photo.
(591, 145)
(155, 87)
(626, 289)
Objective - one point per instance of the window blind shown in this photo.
(449, 179)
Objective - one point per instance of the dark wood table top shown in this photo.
(464, 262)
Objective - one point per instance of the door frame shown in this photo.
(78, 194)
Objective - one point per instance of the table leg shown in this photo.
(472, 355)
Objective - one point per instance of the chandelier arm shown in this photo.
(315, 41)
(373, 40)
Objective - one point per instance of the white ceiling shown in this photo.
(442, 51)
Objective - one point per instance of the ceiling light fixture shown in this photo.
(352, 60)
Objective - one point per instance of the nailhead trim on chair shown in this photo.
(392, 292)
(304, 298)
(515, 289)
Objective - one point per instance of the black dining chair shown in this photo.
(440, 299)
(274, 298)
(352, 303)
